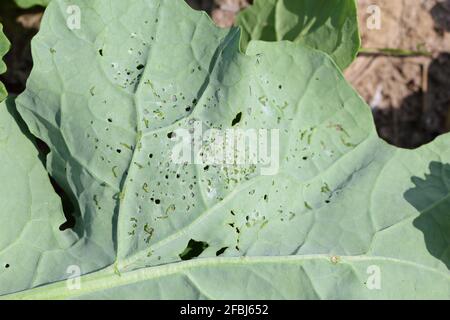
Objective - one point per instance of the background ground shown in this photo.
(409, 96)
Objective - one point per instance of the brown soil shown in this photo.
(409, 96)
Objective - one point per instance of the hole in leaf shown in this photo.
(140, 67)
(221, 251)
(7, 265)
(193, 249)
(237, 119)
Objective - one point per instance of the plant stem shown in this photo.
(394, 52)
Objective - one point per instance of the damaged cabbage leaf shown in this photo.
(30, 211)
(4, 47)
(337, 218)
(329, 26)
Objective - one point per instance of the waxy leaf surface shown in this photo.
(344, 216)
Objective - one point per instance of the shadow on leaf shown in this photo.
(431, 197)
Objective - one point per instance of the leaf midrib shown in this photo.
(108, 278)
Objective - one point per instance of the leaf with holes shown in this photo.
(4, 47)
(30, 210)
(328, 211)
(330, 26)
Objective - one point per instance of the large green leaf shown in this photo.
(330, 26)
(31, 211)
(4, 47)
(343, 207)
(31, 3)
